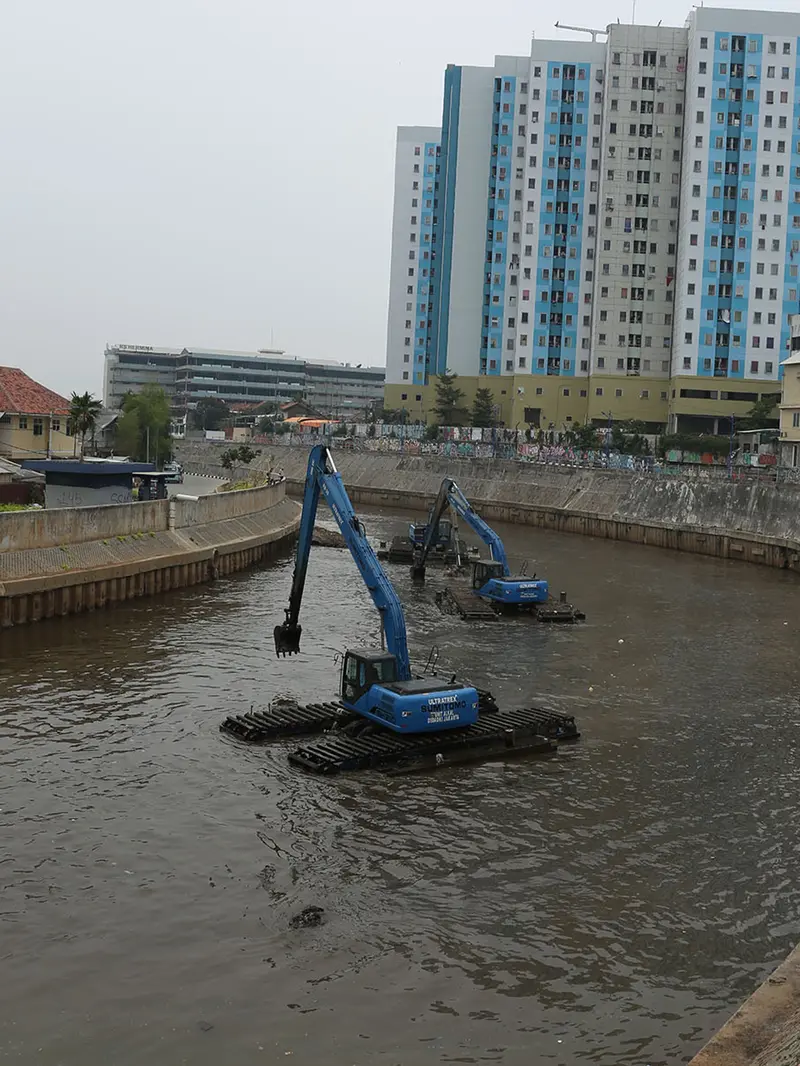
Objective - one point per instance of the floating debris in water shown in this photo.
(307, 918)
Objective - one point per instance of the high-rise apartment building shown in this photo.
(610, 226)
(416, 170)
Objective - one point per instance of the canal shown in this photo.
(609, 906)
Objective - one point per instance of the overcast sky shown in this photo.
(218, 173)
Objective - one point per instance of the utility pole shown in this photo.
(730, 446)
(610, 418)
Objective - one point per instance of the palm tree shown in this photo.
(83, 412)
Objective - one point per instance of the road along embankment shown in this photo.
(67, 560)
(749, 521)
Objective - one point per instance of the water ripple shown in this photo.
(610, 906)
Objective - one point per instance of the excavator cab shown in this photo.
(444, 534)
(484, 571)
(363, 669)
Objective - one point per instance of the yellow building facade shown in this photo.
(556, 403)
(790, 400)
(24, 436)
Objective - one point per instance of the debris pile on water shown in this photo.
(307, 918)
(327, 538)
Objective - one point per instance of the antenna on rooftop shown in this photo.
(581, 29)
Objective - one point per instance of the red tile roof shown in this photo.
(23, 395)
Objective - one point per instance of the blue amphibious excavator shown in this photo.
(376, 684)
(492, 581)
(386, 717)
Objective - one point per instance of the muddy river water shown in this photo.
(609, 906)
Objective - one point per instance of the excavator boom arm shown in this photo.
(323, 477)
(450, 494)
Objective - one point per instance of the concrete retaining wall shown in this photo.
(220, 506)
(20, 530)
(193, 541)
(755, 522)
(765, 1031)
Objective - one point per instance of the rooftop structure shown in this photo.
(95, 483)
(20, 394)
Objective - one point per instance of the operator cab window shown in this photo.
(385, 671)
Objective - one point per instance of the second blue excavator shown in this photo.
(491, 579)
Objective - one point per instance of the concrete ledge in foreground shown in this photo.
(765, 1031)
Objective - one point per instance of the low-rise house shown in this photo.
(34, 420)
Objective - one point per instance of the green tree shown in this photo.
(390, 415)
(693, 443)
(449, 407)
(243, 455)
(143, 429)
(584, 437)
(483, 408)
(210, 413)
(128, 433)
(763, 414)
(83, 412)
(629, 439)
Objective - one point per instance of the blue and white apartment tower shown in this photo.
(605, 226)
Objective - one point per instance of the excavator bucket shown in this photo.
(287, 639)
(417, 566)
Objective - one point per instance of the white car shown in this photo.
(174, 472)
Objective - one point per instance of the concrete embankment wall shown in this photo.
(765, 1031)
(753, 521)
(67, 561)
(74, 525)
